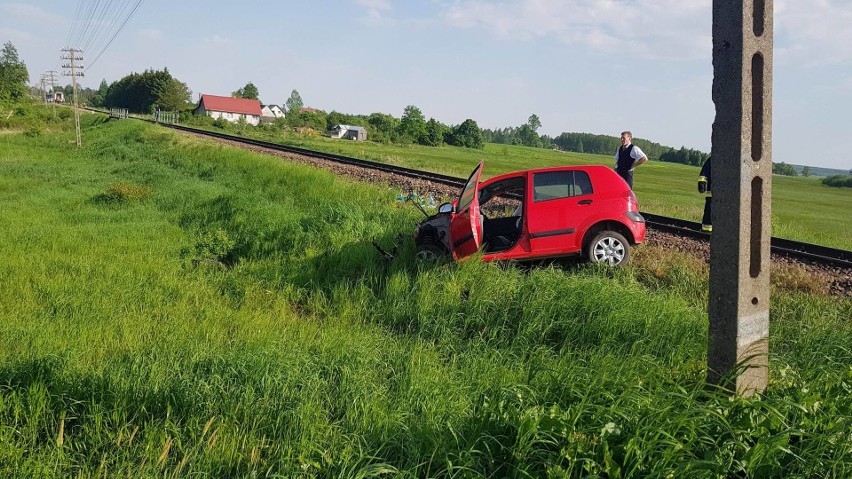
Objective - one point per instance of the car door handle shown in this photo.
(584, 202)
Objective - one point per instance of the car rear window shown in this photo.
(553, 185)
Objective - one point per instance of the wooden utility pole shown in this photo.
(72, 57)
(737, 356)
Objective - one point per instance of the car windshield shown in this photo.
(469, 190)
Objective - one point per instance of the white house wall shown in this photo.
(234, 117)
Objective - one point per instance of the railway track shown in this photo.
(785, 247)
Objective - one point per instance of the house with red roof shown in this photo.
(229, 108)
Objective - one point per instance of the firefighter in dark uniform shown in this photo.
(704, 184)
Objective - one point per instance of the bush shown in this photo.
(215, 246)
(838, 181)
(33, 131)
(124, 192)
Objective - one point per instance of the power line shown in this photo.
(84, 28)
(113, 16)
(135, 7)
(74, 23)
(97, 23)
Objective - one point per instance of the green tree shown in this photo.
(528, 136)
(467, 135)
(249, 92)
(783, 169)
(435, 132)
(335, 118)
(294, 103)
(313, 119)
(534, 122)
(13, 74)
(412, 125)
(173, 95)
(382, 127)
(806, 171)
(99, 96)
(144, 92)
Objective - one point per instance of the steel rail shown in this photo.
(786, 247)
(796, 249)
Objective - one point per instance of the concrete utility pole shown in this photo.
(737, 356)
(50, 76)
(43, 91)
(72, 56)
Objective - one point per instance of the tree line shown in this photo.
(144, 93)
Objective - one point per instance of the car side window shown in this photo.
(582, 184)
(553, 185)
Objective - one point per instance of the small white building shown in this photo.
(349, 132)
(229, 108)
(271, 111)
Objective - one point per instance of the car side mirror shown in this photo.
(445, 208)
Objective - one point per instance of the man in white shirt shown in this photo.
(628, 157)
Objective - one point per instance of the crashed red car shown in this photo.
(537, 214)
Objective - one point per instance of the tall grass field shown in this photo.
(170, 307)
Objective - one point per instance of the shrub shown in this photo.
(33, 131)
(124, 192)
(215, 246)
(838, 181)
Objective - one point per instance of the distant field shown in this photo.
(802, 208)
(172, 307)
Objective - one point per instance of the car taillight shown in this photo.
(635, 216)
(632, 202)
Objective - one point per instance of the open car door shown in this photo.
(466, 226)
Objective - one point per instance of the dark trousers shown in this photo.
(627, 175)
(705, 220)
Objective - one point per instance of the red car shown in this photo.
(537, 214)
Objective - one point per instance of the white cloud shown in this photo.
(815, 32)
(30, 13)
(811, 32)
(375, 10)
(15, 36)
(218, 41)
(150, 34)
(650, 29)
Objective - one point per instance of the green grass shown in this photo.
(174, 308)
(803, 209)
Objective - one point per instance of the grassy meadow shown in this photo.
(171, 307)
(803, 209)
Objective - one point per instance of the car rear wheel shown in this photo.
(608, 247)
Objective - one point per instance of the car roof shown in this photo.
(595, 168)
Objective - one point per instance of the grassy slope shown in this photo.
(803, 208)
(121, 355)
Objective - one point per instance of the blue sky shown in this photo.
(597, 66)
